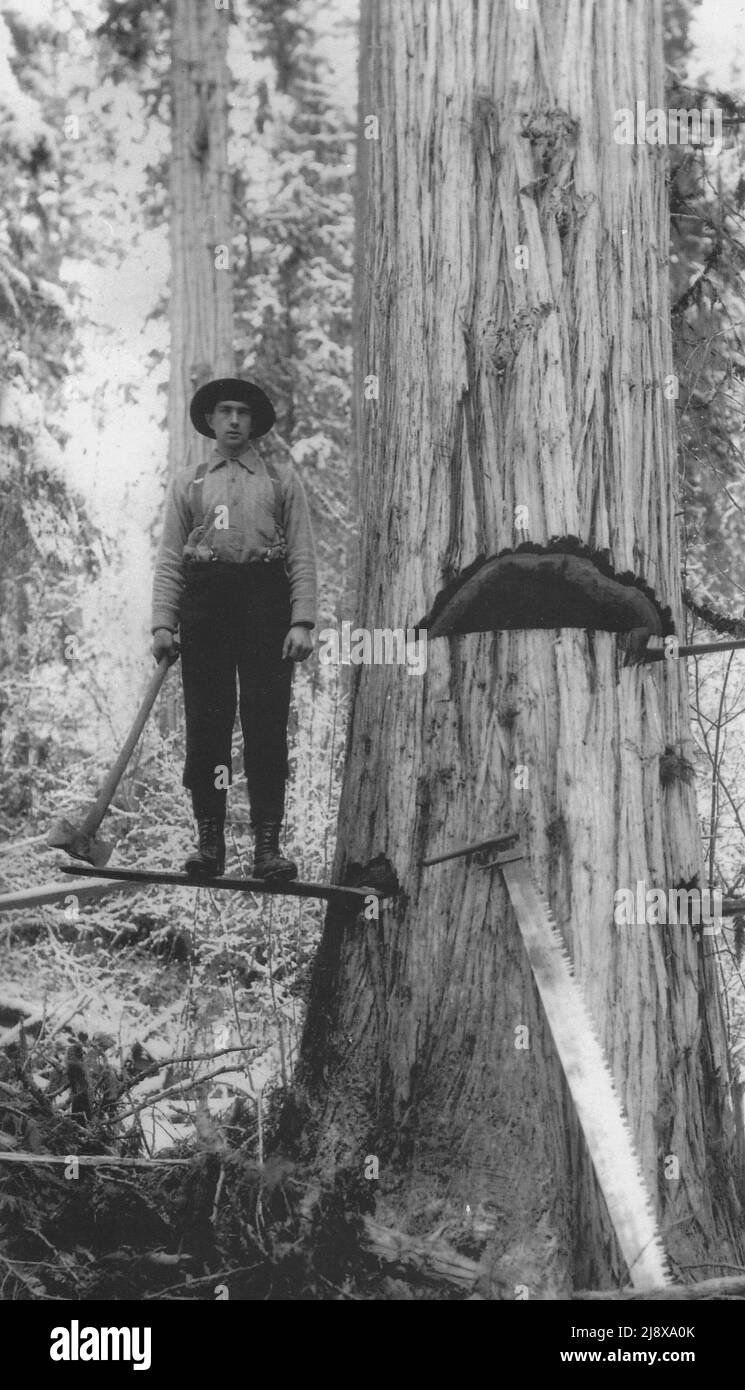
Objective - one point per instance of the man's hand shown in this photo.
(164, 643)
(298, 643)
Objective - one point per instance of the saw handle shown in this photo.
(97, 811)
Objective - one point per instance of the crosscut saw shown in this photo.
(587, 1073)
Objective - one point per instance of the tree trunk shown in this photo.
(505, 384)
(201, 306)
(201, 303)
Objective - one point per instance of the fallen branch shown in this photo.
(9, 845)
(178, 1088)
(733, 1287)
(435, 1259)
(37, 1019)
(156, 1065)
(221, 1277)
(438, 1260)
(93, 1160)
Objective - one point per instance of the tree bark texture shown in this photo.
(201, 305)
(506, 383)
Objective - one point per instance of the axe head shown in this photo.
(79, 844)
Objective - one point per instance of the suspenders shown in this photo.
(195, 493)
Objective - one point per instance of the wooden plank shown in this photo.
(293, 888)
(47, 894)
(698, 649)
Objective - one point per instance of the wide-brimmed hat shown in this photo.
(229, 388)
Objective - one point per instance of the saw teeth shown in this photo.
(620, 1178)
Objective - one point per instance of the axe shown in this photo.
(80, 840)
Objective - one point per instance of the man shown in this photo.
(236, 569)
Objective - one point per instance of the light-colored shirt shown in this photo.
(240, 526)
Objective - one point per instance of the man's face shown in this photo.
(231, 421)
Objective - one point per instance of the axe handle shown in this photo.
(97, 811)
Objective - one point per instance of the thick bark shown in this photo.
(201, 305)
(500, 386)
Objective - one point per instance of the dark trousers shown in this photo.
(234, 619)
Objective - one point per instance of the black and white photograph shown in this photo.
(372, 665)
